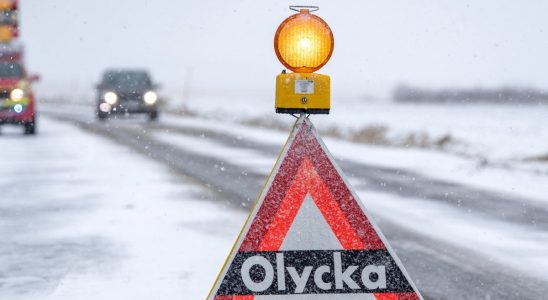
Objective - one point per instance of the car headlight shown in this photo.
(150, 97)
(17, 94)
(110, 98)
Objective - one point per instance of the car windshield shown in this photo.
(10, 69)
(127, 80)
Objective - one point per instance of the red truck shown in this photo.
(17, 102)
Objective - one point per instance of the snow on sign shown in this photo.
(309, 237)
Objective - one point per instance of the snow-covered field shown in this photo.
(83, 218)
(488, 133)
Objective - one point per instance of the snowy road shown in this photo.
(81, 231)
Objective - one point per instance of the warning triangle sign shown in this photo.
(309, 237)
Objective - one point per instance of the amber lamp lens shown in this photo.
(303, 42)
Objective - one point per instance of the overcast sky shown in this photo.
(228, 45)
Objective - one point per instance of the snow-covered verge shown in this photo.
(83, 218)
(488, 133)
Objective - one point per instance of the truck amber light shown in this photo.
(8, 4)
(303, 42)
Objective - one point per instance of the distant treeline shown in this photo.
(475, 95)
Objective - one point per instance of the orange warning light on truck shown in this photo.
(9, 20)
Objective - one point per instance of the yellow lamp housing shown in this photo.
(303, 44)
(303, 93)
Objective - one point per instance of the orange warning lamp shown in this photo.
(303, 44)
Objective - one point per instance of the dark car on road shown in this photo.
(126, 92)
